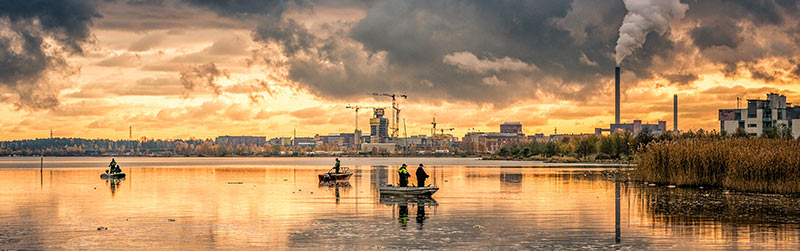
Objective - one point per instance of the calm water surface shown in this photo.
(276, 203)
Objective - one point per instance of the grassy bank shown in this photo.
(744, 164)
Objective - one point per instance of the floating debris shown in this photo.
(235, 182)
(102, 228)
(171, 220)
(671, 186)
(651, 184)
(478, 227)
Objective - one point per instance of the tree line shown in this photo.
(617, 146)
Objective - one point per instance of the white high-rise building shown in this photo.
(772, 113)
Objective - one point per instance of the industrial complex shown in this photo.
(637, 126)
(759, 117)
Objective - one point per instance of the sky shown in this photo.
(174, 69)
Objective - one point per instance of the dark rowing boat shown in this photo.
(407, 191)
(112, 176)
(335, 177)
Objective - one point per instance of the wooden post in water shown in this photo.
(617, 239)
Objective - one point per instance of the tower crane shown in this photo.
(396, 113)
(433, 134)
(356, 140)
(441, 132)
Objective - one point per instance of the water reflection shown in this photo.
(402, 204)
(113, 185)
(758, 220)
(510, 179)
(284, 207)
(402, 214)
(421, 215)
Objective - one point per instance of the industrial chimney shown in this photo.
(675, 111)
(616, 95)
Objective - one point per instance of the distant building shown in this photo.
(379, 147)
(379, 127)
(340, 140)
(760, 115)
(511, 127)
(281, 141)
(241, 140)
(418, 142)
(635, 128)
(493, 141)
(539, 137)
(304, 142)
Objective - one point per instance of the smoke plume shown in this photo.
(643, 17)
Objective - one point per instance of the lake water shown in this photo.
(277, 203)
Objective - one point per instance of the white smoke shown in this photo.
(643, 17)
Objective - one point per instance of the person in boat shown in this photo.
(421, 176)
(117, 169)
(337, 166)
(403, 174)
(111, 166)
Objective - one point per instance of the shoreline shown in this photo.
(126, 162)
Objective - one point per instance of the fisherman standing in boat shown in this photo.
(421, 176)
(111, 166)
(337, 166)
(403, 173)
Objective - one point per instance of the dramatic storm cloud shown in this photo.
(35, 38)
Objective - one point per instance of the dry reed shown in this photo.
(753, 165)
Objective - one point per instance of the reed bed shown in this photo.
(743, 164)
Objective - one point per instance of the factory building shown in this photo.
(241, 140)
(379, 127)
(772, 113)
(637, 126)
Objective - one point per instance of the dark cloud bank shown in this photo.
(487, 52)
(35, 38)
(497, 52)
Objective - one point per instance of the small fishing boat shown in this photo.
(407, 191)
(330, 176)
(112, 176)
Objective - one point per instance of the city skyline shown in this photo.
(195, 68)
